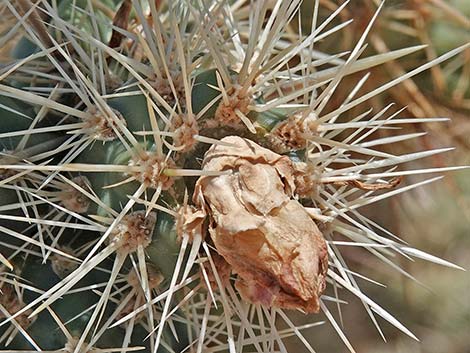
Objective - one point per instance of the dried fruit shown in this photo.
(274, 247)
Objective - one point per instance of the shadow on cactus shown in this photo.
(174, 178)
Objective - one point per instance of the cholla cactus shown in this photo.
(175, 178)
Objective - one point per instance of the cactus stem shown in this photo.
(78, 167)
(120, 183)
(193, 172)
(28, 240)
(152, 205)
(101, 305)
(36, 99)
(171, 290)
(63, 286)
(155, 300)
(204, 71)
(90, 195)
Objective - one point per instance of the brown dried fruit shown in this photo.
(154, 277)
(268, 238)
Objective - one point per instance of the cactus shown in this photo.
(176, 176)
(441, 25)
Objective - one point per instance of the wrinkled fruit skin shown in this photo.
(273, 246)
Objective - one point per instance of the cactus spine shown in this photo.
(111, 112)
